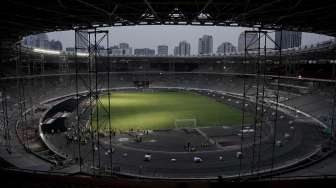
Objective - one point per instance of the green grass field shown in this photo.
(158, 110)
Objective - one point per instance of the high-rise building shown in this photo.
(55, 45)
(123, 45)
(183, 49)
(251, 41)
(37, 41)
(144, 52)
(162, 50)
(126, 51)
(289, 39)
(123, 49)
(226, 48)
(205, 45)
(115, 50)
(176, 51)
(42, 41)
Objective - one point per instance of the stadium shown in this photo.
(90, 119)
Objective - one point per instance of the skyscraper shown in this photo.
(251, 41)
(205, 45)
(37, 41)
(226, 48)
(125, 48)
(42, 41)
(176, 51)
(289, 39)
(162, 50)
(55, 45)
(123, 45)
(115, 50)
(183, 49)
(144, 52)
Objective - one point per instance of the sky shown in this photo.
(152, 36)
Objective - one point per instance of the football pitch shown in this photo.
(163, 110)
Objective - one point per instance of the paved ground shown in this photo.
(302, 143)
(210, 144)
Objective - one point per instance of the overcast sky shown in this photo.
(152, 36)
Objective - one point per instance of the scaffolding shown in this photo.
(95, 43)
(256, 45)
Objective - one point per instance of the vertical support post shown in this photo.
(275, 120)
(4, 110)
(256, 117)
(97, 93)
(22, 119)
(263, 69)
(243, 103)
(93, 146)
(92, 40)
(332, 126)
(77, 101)
(109, 104)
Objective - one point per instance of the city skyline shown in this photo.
(153, 36)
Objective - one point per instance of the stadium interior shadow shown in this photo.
(9, 179)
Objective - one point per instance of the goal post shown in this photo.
(185, 123)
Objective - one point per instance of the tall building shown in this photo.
(226, 48)
(162, 50)
(42, 41)
(251, 41)
(205, 45)
(55, 45)
(144, 52)
(289, 39)
(123, 45)
(176, 51)
(123, 49)
(183, 49)
(115, 51)
(37, 41)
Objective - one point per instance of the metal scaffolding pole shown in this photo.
(263, 70)
(109, 106)
(333, 112)
(256, 117)
(93, 39)
(92, 134)
(253, 43)
(22, 118)
(97, 94)
(79, 157)
(5, 121)
(275, 120)
(243, 108)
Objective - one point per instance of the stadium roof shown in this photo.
(24, 17)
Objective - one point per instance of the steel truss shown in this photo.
(95, 43)
(258, 44)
